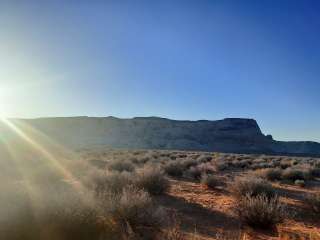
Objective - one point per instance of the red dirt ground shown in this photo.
(209, 214)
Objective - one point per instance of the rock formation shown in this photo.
(228, 135)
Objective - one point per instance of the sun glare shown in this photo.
(4, 101)
(2, 112)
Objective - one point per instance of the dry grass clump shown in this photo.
(194, 173)
(121, 166)
(271, 174)
(71, 215)
(98, 163)
(313, 201)
(206, 168)
(204, 158)
(257, 203)
(64, 213)
(152, 180)
(316, 163)
(51, 213)
(220, 164)
(263, 165)
(210, 181)
(285, 163)
(260, 211)
(189, 162)
(252, 186)
(242, 163)
(174, 169)
(102, 181)
(293, 174)
(135, 213)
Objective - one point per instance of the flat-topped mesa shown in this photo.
(241, 124)
(238, 135)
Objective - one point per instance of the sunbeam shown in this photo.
(44, 152)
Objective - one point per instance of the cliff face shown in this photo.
(227, 135)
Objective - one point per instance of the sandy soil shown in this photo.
(209, 214)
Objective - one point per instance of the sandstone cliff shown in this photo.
(227, 135)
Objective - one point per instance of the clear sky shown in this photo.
(176, 59)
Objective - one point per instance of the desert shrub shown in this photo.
(252, 186)
(136, 214)
(98, 163)
(220, 165)
(276, 163)
(284, 164)
(193, 173)
(54, 213)
(205, 168)
(260, 211)
(241, 163)
(174, 169)
(315, 171)
(293, 174)
(255, 166)
(317, 164)
(121, 166)
(161, 160)
(204, 158)
(173, 157)
(271, 174)
(258, 160)
(182, 155)
(210, 181)
(189, 162)
(260, 165)
(313, 201)
(165, 154)
(134, 160)
(152, 180)
(71, 217)
(300, 183)
(144, 159)
(114, 182)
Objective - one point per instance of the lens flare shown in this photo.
(28, 138)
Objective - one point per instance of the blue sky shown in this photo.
(176, 59)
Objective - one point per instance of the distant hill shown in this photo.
(228, 135)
